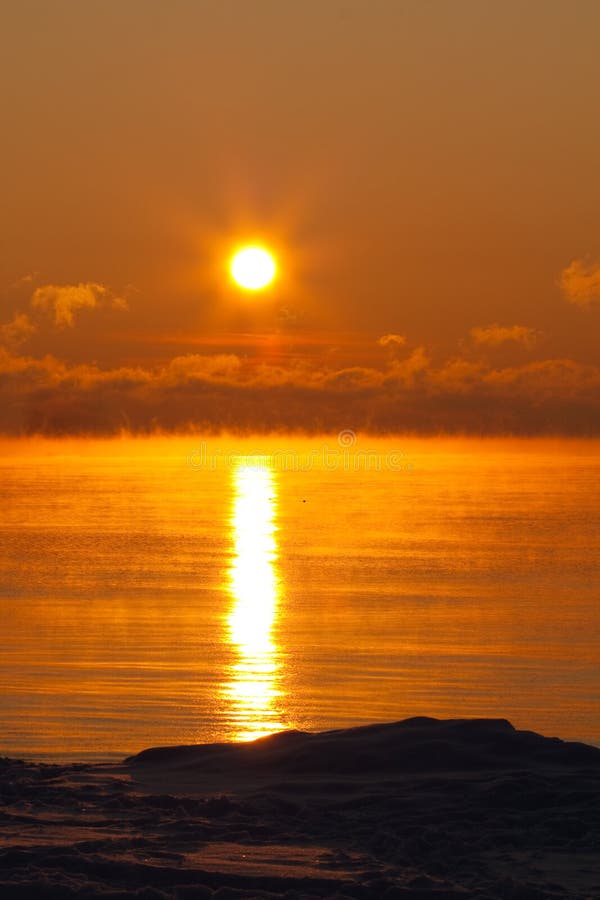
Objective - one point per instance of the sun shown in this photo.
(253, 268)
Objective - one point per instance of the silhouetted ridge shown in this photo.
(416, 744)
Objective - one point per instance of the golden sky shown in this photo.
(425, 171)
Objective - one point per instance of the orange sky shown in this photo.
(426, 170)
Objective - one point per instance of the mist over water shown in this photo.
(165, 591)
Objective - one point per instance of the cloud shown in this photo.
(194, 366)
(392, 341)
(224, 391)
(64, 300)
(25, 280)
(495, 335)
(408, 371)
(354, 378)
(580, 283)
(16, 332)
(549, 380)
(458, 376)
(119, 303)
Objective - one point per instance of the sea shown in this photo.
(175, 590)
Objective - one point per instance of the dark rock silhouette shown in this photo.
(412, 745)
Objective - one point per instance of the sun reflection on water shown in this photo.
(253, 692)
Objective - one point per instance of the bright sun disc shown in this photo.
(253, 268)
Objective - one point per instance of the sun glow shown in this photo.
(253, 268)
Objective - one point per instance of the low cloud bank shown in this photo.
(225, 391)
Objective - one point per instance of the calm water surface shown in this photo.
(168, 591)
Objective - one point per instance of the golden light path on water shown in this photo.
(252, 691)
